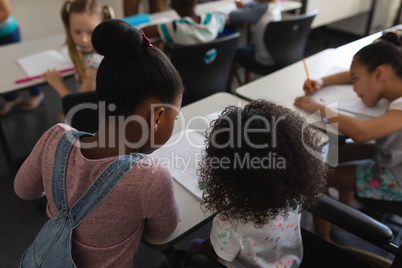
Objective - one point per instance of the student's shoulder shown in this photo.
(56, 131)
(51, 137)
(152, 167)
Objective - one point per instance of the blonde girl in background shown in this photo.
(80, 17)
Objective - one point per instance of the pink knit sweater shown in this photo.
(142, 201)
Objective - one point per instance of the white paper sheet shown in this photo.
(39, 63)
(181, 155)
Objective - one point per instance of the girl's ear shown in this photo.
(156, 118)
(380, 73)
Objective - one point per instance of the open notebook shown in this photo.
(343, 97)
(39, 63)
(182, 154)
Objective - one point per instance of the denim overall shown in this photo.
(52, 246)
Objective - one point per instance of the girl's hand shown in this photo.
(240, 4)
(316, 85)
(53, 77)
(308, 104)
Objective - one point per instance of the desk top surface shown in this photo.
(283, 86)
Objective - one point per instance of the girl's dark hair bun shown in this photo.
(393, 38)
(116, 38)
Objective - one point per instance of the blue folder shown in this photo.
(137, 19)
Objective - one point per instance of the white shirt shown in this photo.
(276, 243)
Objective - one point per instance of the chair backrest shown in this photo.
(286, 39)
(204, 67)
(85, 116)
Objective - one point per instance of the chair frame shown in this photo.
(275, 49)
(205, 78)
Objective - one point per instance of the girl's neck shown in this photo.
(106, 142)
(394, 89)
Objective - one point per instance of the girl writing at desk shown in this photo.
(375, 72)
(80, 17)
(141, 112)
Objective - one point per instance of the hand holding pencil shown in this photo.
(311, 86)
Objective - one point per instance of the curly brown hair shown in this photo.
(257, 166)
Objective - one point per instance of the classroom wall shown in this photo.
(352, 16)
(335, 10)
(40, 18)
(384, 16)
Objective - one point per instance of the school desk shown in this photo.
(214, 5)
(191, 215)
(284, 85)
(9, 68)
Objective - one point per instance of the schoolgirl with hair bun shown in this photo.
(376, 73)
(142, 92)
(80, 17)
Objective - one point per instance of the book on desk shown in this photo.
(182, 153)
(36, 64)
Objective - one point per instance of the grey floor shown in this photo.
(21, 220)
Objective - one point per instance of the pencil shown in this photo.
(27, 79)
(308, 77)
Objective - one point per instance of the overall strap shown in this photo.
(63, 149)
(102, 186)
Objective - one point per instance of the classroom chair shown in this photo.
(85, 117)
(363, 226)
(319, 253)
(204, 67)
(384, 211)
(285, 40)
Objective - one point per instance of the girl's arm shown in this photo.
(5, 10)
(160, 207)
(355, 129)
(55, 79)
(28, 183)
(89, 83)
(338, 78)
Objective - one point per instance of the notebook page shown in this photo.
(39, 63)
(181, 155)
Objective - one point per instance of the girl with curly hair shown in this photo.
(258, 173)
